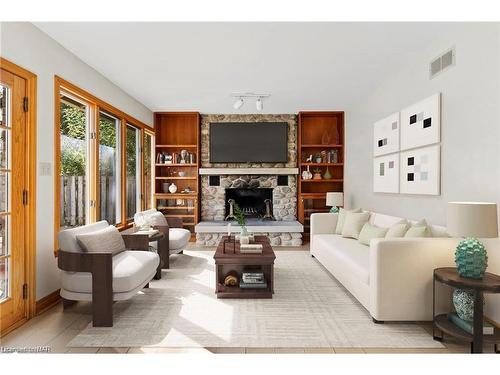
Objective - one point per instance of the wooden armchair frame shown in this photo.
(100, 266)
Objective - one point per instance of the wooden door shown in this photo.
(13, 196)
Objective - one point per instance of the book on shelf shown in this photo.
(253, 276)
(468, 326)
(244, 285)
(253, 281)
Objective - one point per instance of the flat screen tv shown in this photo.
(243, 142)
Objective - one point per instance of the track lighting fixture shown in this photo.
(259, 104)
(237, 104)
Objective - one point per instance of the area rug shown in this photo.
(309, 309)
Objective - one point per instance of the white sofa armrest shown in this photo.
(322, 223)
(401, 275)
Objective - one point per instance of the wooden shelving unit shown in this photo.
(319, 131)
(177, 131)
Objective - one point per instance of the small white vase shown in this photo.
(172, 188)
(244, 240)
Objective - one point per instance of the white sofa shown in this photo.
(391, 278)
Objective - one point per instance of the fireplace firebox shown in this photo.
(254, 202)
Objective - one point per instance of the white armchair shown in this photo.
(178, 237)
(116, 271)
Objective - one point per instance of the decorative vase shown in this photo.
(245, 240)
(165, 187)
(463, 300)
(471, 258)
(172, 188)
(327, 174)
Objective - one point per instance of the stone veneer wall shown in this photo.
(292, 139)
(284, 197)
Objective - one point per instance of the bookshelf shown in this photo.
(177, 162)
(320, 135)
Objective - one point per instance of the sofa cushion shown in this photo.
(370, 231)
(67, 237)
(347, 253)
(105, 240)
(149, 217)
(341, 219)
(416, 232)
(178, 238)
(385, 221)
(353, 224)
(398, 230)
(130, 269)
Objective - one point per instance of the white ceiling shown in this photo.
(195, 66)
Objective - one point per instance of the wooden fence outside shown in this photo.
(73, 199)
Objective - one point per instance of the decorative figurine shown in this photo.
(172, 188)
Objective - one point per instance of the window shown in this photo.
(100, 169)
(133, 187)
(109, 168)
(74, 130)
(148, 170)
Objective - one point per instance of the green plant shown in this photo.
(239, 215)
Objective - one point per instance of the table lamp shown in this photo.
(472, 220)
(334, 200)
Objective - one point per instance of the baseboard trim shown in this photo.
(47, 302)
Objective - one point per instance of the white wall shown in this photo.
(25, 45)
(470, 131)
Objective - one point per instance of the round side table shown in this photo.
(490, 283)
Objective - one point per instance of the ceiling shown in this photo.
(196, 66)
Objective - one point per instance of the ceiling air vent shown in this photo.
(441, 63)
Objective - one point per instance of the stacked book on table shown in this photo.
(253, 280)
(252, 248)
(468, 326)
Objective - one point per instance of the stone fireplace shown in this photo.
(284, 230)
(253, 202)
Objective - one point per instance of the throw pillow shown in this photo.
(156, 218)
(353, 224)
(398, 230)
(416, 232)
(370, 231)
(108, 240)
(341, 219)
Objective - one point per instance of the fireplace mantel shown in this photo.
(248, 171)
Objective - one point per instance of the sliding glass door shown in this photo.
(109, 181)
(148, 170)
(133, 171)
(74, 165)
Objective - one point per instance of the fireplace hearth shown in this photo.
(254, 202)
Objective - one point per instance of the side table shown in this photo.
(162, 249)
(490, 283)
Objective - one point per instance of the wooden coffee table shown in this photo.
(228, 258)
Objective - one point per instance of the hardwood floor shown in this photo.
(54, 329)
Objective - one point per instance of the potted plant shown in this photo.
(240, 219)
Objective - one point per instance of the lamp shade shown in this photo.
(472, 219)
(334, 199)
